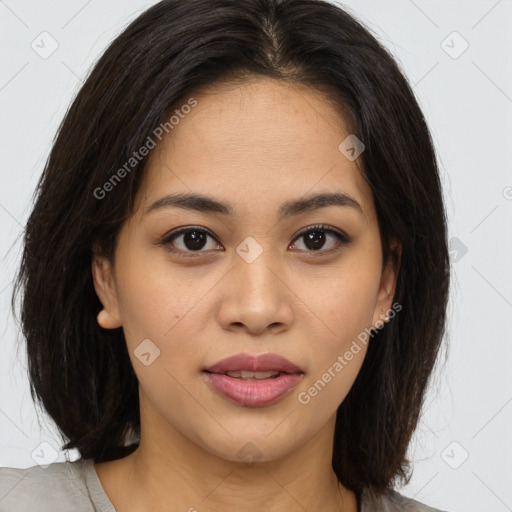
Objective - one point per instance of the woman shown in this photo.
(235, 274)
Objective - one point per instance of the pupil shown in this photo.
(194, 239)
(315, 239)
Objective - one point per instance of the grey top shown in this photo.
(65, 486)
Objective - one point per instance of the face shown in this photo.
(193, 284)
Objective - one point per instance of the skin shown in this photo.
(255, 145)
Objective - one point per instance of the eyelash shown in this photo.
(343, 239)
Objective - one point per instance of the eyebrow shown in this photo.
(206, 204)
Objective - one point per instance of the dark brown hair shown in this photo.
(81, 373)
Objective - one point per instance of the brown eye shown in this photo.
(316, 238)
(189, 240)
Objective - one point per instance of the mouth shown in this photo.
(250, 376)
(248, 366)
(253, 381)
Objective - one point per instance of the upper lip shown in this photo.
(254, 363)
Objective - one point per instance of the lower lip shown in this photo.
(254, 393)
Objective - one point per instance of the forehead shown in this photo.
(257, 140)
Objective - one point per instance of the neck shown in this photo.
(179, 474)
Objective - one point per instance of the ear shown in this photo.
(109, 317)
(387, 287)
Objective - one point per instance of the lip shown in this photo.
(254, 363)
(254, 393)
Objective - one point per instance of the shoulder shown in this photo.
(393, 501)
(58, 487)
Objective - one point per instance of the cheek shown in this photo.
(345, 303)
(151, 298)
(340, 349)
(343, 311)
(162, 313)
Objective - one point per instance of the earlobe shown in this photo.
(107, 321)
(108, 317)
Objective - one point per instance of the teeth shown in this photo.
(246, 375)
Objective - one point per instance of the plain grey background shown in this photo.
(457, 55)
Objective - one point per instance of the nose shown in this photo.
(256, 298)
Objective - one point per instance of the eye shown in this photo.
(188, 240)
(314, 238)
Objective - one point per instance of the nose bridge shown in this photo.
(256, 265)
(257, 295)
